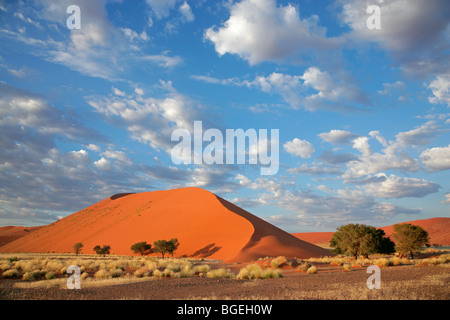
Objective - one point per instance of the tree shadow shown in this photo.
(206, 251)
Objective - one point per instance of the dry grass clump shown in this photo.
(347, 267)
(304, 266)
(312, 270)
(278, 261)
(254, 271)
(220, 273)
(11, 273)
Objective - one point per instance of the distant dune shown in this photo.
(11, 233)
(438, 229)
(206, 226)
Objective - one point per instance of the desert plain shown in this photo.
(224, 253)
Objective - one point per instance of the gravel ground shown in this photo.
(398, 283)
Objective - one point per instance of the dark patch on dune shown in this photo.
(120, 195)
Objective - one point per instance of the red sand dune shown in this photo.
(206, 226)
(438, 229)
(11, 233)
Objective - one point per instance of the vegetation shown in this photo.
(106, 249)
(164, 246)
(142, 247)
(360, 239)
(77, 248)
(409, 238)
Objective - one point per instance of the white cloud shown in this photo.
(338, 136)
(298, 147)
(186, 12)
(419, 47)
(419, 136)
(399, 187)
(261, 30)
(447, 199)
(436, 159)
(441, 90)
(162, 8)
(163, 60)
(362, 145)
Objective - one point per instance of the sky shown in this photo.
(359, 101)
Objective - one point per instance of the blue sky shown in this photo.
(363, 114)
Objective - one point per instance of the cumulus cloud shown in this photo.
(419, 136)
(436, 159)
(399, 187)
(298, 147)
(338, 136)
(151, 120)
(261, 30)
(419, 47)
(440, 88)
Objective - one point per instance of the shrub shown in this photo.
(11, 273)
(84, 275)
(32, 275)
(347, 267)
(311, 270)
(116, 273)
(220, 273)
(304, 266)
(142, 272)
(275, 263)
(254, 271)
(383, 262)
(50, 275)
(101, 274)
(204, 268)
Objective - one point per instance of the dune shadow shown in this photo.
(206, 251)
(120, 195)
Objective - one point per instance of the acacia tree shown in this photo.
(409, 238)
(164, 246)
(77, 247)
(106, 249)
(142, 247)
(360, 239)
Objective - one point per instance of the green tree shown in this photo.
(360, 239)
(106, 249)
(173, 245)
(409, 238)
(142, 247)
(77, 247)
(164, 246)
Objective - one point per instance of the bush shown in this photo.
(347, 267)
(204, 268)
(116, 273)
(50, 275)
(304, 266)
(275, 263)
(32, 275)
(11, 273)
(254, 271)
(311, 270)
(220, 273)
(101, 274)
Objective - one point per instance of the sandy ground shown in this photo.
(397, 283)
